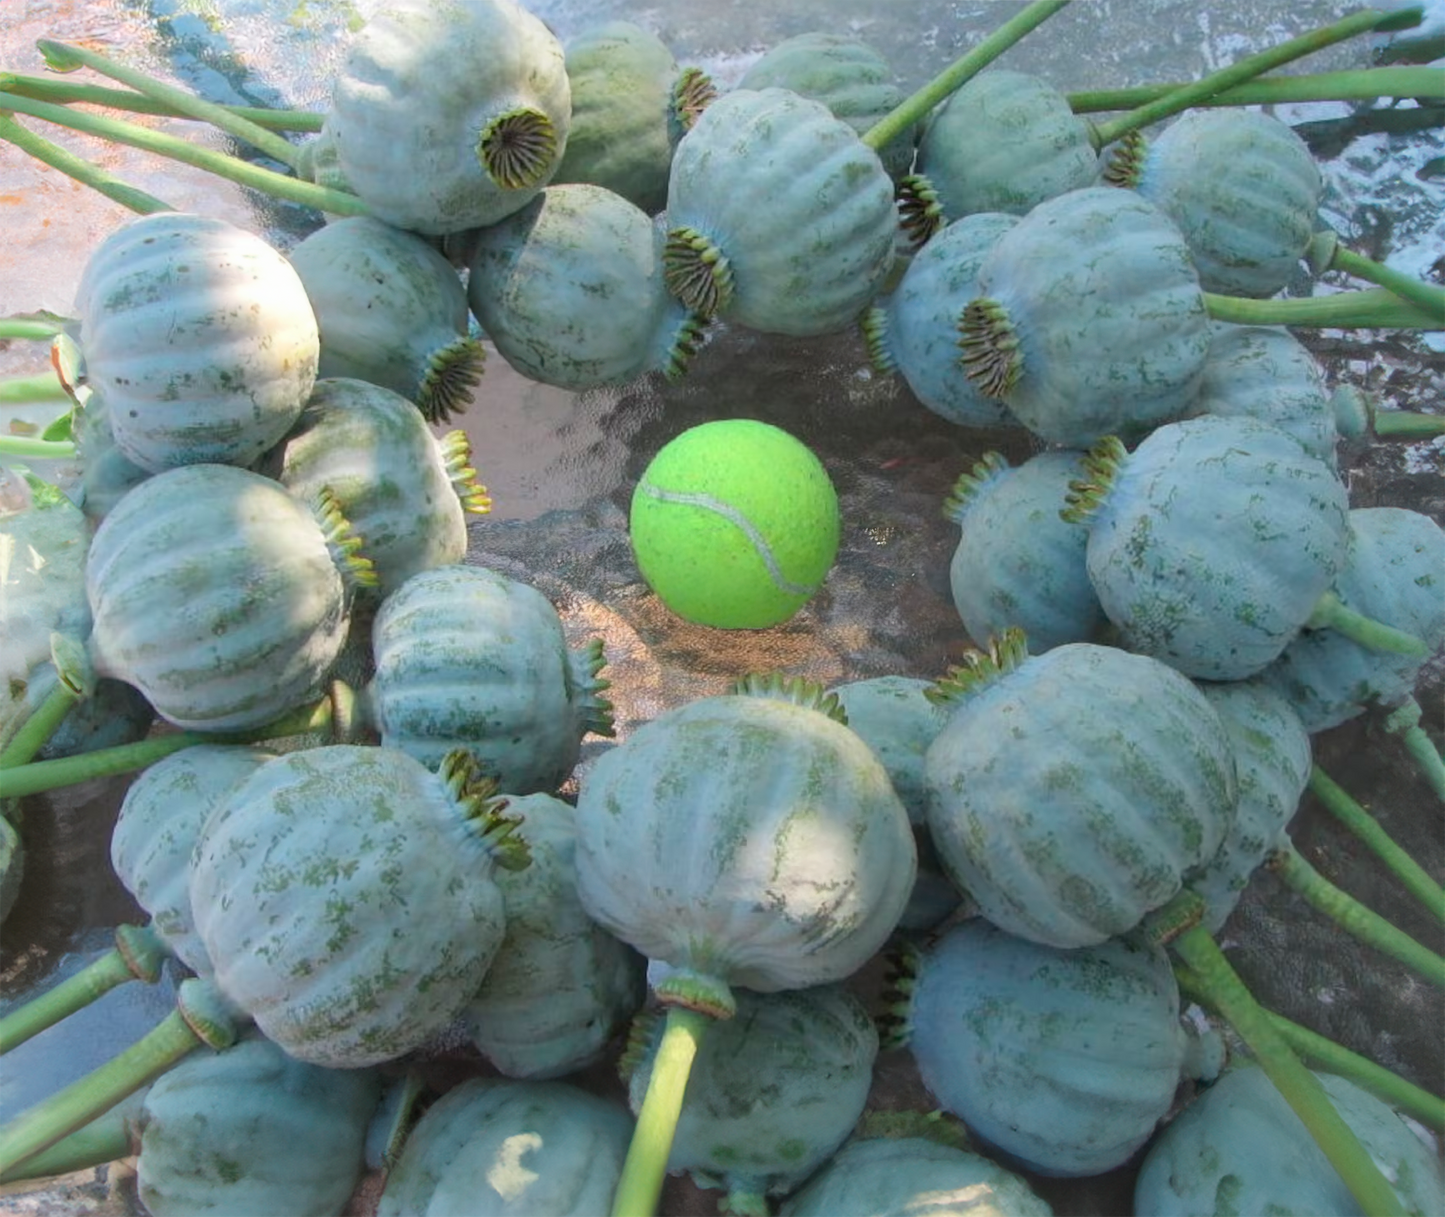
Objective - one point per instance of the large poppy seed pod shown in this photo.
(561, 986)
(570, 291)
(1241, 1144)
(1070, 793)
(1211, 544)
(1242, 186)
(391, 310)
(494, 1147)
(1063, 1060)
(1272, 759)
(1089, 319)
(250, 1130)
(772, 1092)
(1017, 561)
(388, 474)
(1006, 141)
(450, 115)
(221, 596)
(779, 217)
(199, 336)
(889, 1175)
(913, 331)
(748, 838)
(1394, 572)
(847, 75)
(155, 834)
(347, 898)
(1267, 373)
(467, 658)
(631, 103)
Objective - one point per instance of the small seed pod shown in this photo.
(847, 75)
(390, 310)
(448, 116)
(631, 103)
(1242, 186)
(220, 596)
(780, 218)
(570, 290)
(1006, 141)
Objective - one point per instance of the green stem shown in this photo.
(42, 387)
(1372, 308)
(1331, 613)
(37, 729)
(640, 1186)
(35, 328)
(1251, 66)
(67, 57)
(1406, 424)
(1337, 801)
(200, 1017)
(277, 185)
(79, 168)
(1301, 1089)
(109, 1137)
(64, 92)
(1383, 1083)
(1326, 253)
(1353, 917)
(1404, 721)
(36, 449)
(138, 954)
(40, 776)
(1353, 84)
(915, 108)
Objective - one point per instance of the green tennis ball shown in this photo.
(735, 524)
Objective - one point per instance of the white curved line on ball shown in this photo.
(738, 520)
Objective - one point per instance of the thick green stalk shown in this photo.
(640, 1186)
(277, 185)
(1354, 84)
(1226, 992)
(1251, 66)
(27, 733)
(38, 329)
(200, 1017)
(1337, 801)
(1353, 917)
(1371, 308)
(42, 387)
(40, 776)
(108, 1138)
(67, 57)
(1404, 721)
(1326, 253)
(1406, 424)
(65, 92)
(79, 168)
(915, 108)
(1383, 1083)
(1332, 613)
(138, 954)
(36, 449)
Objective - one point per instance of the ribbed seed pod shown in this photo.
(1242, 186)
(570, 290)
(631, 103)
(1006, 141)
(847, 75)
(1064, 1060)
(779, 217)
(387, 473)
(1089, 319)
(221, 596)
(391, 310)
(449, 115)
(1111, 781)
(913, 331)
(200, 338)
(467, 658)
